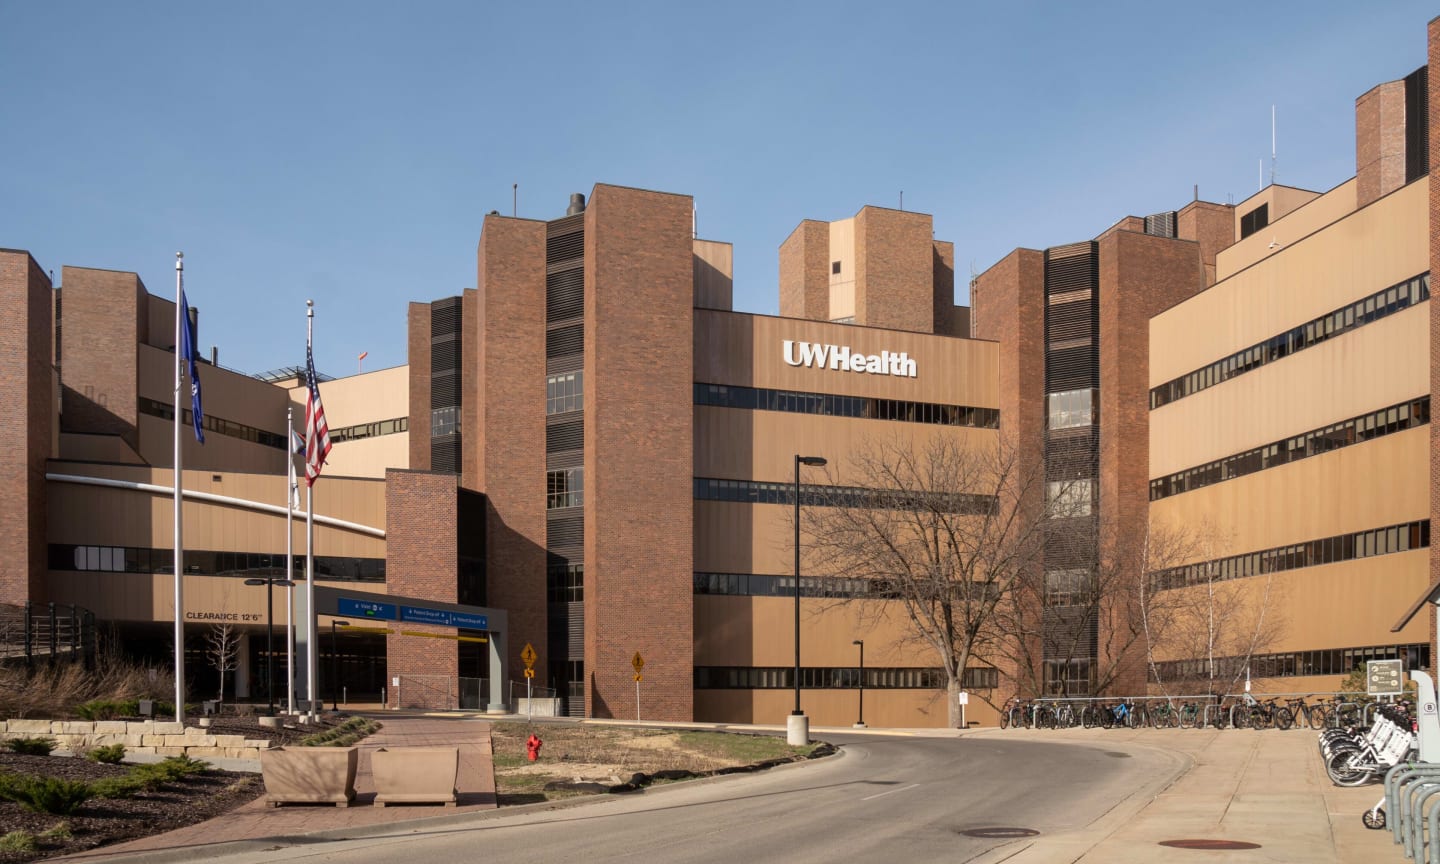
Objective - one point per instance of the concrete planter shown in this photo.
(415, 775)
(309, 775)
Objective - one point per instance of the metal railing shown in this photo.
(47, 630)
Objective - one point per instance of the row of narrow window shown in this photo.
(839, 678)
(1356, 430)
(831, 405)
(1290, 664)
(752, 492)
(140, 559)
(218, 425)
(1372, 308)
(760, 585)
(1312, 553)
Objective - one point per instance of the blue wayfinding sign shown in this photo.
(365, 609)
(442, 618)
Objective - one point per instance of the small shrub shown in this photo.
(46, 794)
(32, 746)
(124, 786)
(108, 709)
(108, 754)
(18, 841)
(58, 831)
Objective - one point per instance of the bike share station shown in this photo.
(1411, 804)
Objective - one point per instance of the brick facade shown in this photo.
(1140, 275)
(639, 522)
(1379, 142)
(26, 386)
(1212, 226)
(1433, 53)
(508, 437)
(895, 270)
(104, 316)
(418, 326)
(805, 272)
(421, 519)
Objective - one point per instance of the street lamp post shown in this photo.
(860, 723)
(270, 633)
(797, 726)
(335, 664)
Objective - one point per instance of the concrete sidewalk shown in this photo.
(1266, 787)
(475, 783)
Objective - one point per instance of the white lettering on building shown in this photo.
(843, 359)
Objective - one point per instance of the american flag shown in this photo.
(317, 432)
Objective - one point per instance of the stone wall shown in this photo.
(139, 736)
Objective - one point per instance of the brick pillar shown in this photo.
(421, 519)
(639, 414)
(895, 270)
(1379, 142)
(418, 324)
(1433, 50)
(805, 272)
(1139, 276)
(26, 385)
(510, 454)
(103, 315)
(1008, 306)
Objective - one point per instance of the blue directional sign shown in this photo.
(365, 609)
(443, 618)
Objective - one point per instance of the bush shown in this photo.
(55, 690)
(45, 794)
(18, 841)
(344, 735)
(109, 709)
(124, 786)
(155, 774)
(109, 754)
(58, 831)
(32, 746)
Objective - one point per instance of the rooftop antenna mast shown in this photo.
(1272, 144)
(514, 199)
(902, 199)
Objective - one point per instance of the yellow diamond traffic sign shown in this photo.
(528, 655)
(638, 662)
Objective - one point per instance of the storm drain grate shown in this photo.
(1000, 833)
(1209, 844)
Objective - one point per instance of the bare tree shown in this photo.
(1207, 622)
(222, 648)
(946, 530)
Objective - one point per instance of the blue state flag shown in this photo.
(187, 353)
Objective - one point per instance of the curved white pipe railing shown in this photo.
(213, 499)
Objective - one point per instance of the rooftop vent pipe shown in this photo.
(577, 204)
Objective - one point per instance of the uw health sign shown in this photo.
(841, 358)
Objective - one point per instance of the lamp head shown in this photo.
(858, 642)
(814, 461)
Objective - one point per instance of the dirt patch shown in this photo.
(612, 756)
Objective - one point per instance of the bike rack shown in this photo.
(1412, 789)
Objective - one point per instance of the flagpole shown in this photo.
(179, 563)
(312, 660)
(290, 562)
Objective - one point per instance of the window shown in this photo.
(444, 421)
(564, 488)
(1254, 220)
(1071, 408)
(1070, 498)
(751, 492)
(564, 392)
(834, 266)
(834, 405)
(1067, 587)
(839, 678)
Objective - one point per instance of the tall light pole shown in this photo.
(270, 633)
(860, 723)
(334, 664)
(797, 726)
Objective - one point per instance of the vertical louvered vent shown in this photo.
(446, 384)
(1161, 224)
(1071, 325)
(1417, 124)
(565, 294)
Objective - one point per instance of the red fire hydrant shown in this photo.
(532, 747)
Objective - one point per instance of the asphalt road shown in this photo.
(884, 799)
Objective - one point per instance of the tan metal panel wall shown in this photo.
(1374, 366)
(1377, 247)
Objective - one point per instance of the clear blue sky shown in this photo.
(348, 151)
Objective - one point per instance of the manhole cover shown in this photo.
(1209, 844)
(1000, 833)
(1117, 755)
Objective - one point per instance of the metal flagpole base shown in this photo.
(859, 726)
(797, 730)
